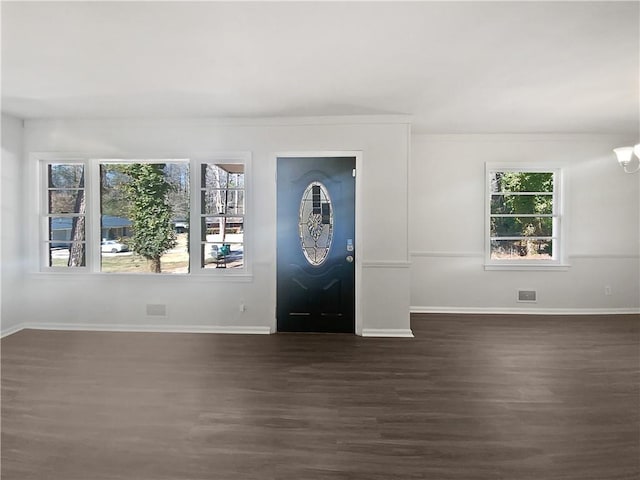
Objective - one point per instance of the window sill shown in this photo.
(556, 267)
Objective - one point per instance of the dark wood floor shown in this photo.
(471, 397)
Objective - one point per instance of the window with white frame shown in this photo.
(222, 210)
(143, 205)
(140, 216)
(523, 221)
(65, 211)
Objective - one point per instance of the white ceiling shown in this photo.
(470, 67)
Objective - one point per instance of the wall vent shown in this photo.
(527, 296)
(156, 310)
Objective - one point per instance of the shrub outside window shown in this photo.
(144, 216)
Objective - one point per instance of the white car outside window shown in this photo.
(111, 246)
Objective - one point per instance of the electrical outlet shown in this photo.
(607, 290)
(243, 308)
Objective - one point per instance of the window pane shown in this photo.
(521, 249)
(213, 176)
(123, 262)
(229, 175)
(66, 176)
(223, 229)
(66, 229)
(212, 202)
(521, 226)
(222, 255)
(113, 200)
(177, 175)
(514, 204)
(66, 201)
(521, 182)
(144, 212)
(67, 254)
(115, 228)
(129, 262)
(220, 202)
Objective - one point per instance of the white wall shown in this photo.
(11, 217)
(119, 301)
(444, 242)
(446, 212)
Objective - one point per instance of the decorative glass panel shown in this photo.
(316, 223)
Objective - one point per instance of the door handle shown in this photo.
(349, 258)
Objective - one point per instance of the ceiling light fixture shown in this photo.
(625, 155)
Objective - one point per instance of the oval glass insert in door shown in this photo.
(315, 223)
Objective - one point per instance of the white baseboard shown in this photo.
(5, 332)
(387, 332)
(526, 311)
(245, 330)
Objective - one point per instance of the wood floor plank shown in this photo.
(470, 397)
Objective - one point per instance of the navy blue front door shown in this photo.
(316, 244)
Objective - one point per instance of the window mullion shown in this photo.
(93, 233)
